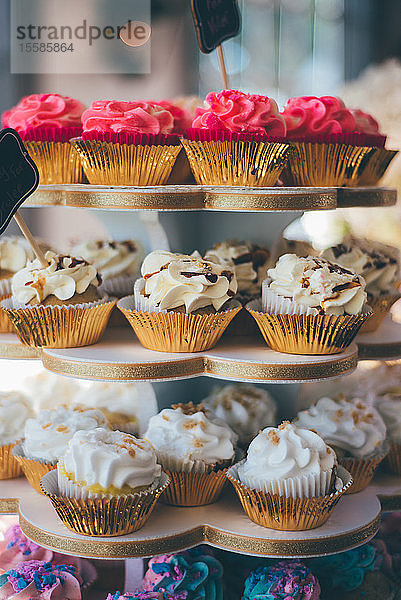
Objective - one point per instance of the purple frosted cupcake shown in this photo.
(159, 595)
(282, 581)
(38, 580)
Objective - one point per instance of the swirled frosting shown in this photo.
(48, 390)
(62, 278)
(15, 253)
(349, 424)
(245, 408)
(44, 110)
(17, 549)
(378, 263)
(15, 409)
(104, 460)
(47, 435)
(318, 283)
(389, 407)
(130, 404)
(113, 116)
(181, 115)
(308, 115)
(174, 280)
(285, 580)
(345, 571)
(146, 595)
(231, 110)
(190, 436)
(247, 260)
(34, 580)
(111, 258)
(283, 452)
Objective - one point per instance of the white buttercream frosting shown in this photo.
(174, 280)
(317, 283)
(15, 409)
(111, 258)
(48, 390)
(15, 253)
(47, 435)
(105, 458)
(389, 407)
(245, 408)
(351, 425)
(63, 277)
(190, 436)
(378, 263)
(130, 404)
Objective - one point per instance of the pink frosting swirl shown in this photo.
(112, 116)
(309, 115)
(231, 110)
(44, 111)
(182, 117)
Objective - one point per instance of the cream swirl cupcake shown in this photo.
(15, 409)
(311, 306)
(388, 403)
(127, 406)
(49, 390)
(107, 482)
(58, 305)
(194, 449)
(46, 437)
(355, 430)
(182, 303)
(245, 408)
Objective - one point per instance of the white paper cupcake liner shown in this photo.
(13, 304)
(119, 286)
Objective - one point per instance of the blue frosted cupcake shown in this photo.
(284, 580)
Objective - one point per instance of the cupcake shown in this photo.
(310, 306)
(195, 450)
(127, 143)
(237, 139)
(289, 480)
(388, 404)
(46, 437)
(47, 123)
(118, 263)
(49, 390)
(379, 265)
(245, 408)
(182, 303)
(40, 580)
(354, 430)
(195, 574)
(332, 145)
(143, 595)
(58, 306)
(127, 406)
(282, 581)
(14, 412)
(106, 484)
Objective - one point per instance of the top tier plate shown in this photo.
(217, 198)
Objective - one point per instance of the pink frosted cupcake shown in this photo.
(237, 139)
(333, 145)
(46, 123)
(40, 580)
(127, 143)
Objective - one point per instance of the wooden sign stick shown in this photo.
(222, 64)
(31, 240)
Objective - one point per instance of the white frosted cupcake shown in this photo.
(245, 408)
(354, 430)
(194, 449)
(15, 409)
(182, 303)
(107, 482)
(127, 406)
(46, 437)
(387, 401)
(48, 390)
(117, 262)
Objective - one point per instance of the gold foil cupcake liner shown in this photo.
(60, 326)
(10, 468)
(194, 489)
(381, 307)
(326, 165)
(249, 163)
(174, 331)
(375, 165)
(5, 324)
(393, 459)
(287, 514)
(57, 162)
(362, 470)
(107, 163)
(308, 334)
(33, 468)
(103, 515)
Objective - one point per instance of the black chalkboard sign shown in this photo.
(19, 176)
(215, 21)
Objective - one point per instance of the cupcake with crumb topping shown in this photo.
(40, 580)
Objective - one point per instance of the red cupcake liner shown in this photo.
(222, 135)
(352, 139)
(50, 134)
(132, 139)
